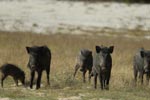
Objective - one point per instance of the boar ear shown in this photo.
(111, 49)
(142, 53)
(98, 49)
(28, 49)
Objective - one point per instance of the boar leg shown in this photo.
(16, 81)
(2, 79)
(32, 78)
(101, 81)
(95, 81)
(47, 72)
(141, 77)
(90, 76)
(76, 69)
(84, 76)
(39, 80)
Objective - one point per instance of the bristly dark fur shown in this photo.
(39, 60)
(14, 71)
(102, 66)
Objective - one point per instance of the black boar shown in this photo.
(141, 64)
(85, 62)
(14, 71)
(102, 66)
(39, 60)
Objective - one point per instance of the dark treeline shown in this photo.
(127, 1)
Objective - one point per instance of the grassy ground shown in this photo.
(64, 50)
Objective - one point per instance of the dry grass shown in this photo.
(64, 49)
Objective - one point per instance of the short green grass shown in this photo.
(64, 50)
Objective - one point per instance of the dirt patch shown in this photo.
(100, 99)
(71, 98)
(5, 99)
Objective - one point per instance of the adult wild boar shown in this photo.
(39, 60)
(102, 66)
(85, 62)
(141, 64)
(14, 71)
